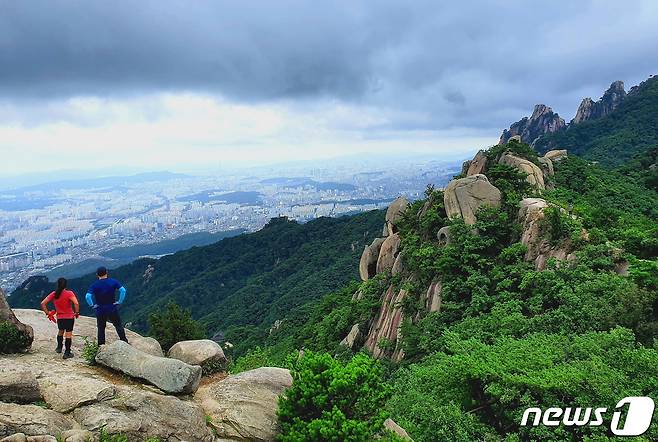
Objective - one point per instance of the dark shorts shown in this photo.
(65, 324)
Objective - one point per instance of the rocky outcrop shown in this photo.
(243, 406)
(19, 386)
(140, 414)
(443, 235)
(591, 110)
(555, 155)
(7, 315)
(393, 427)
(432, 298)
(478, 165)
(352, 337)
(534, 175)
(369, 257)
(32, 420)
(535, 235)
(542, 121)
(464, 196)
(386, 327)
(394, 213)
(169, 375)
(388, 253)
(198, 352)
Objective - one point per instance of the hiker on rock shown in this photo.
(101, 296)
(67, 309)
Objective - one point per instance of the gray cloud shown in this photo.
(462, 64)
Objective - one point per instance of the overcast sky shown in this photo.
(184, 84)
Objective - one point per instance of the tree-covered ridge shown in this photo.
(630, 129)
(582, 332)
(241, 285)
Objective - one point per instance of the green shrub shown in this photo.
(89, 351)
(329, 401)
(174, 325)
(11, 339)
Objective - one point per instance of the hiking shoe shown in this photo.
(58, 349)
(67, 355)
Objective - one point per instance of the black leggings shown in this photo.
(101, 321)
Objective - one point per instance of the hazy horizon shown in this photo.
(179, 86)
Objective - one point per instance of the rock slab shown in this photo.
(243, 406)
(169, 375)
(19, 386)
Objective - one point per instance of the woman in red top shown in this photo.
(67, 309)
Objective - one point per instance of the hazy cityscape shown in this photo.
(49, 226)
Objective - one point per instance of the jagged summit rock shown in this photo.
(542, 121)
(591, 110)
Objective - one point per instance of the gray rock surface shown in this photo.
(67, 392)
(464, 196)
(170, 375)
(243, 406)
(351, 337)
(139, 414)
(555, 155)
(534, 174)
(394, 213)
(478, 164)
(388, 253)
(19, 386)
(31, 420)
(197, 352)
(368, 262)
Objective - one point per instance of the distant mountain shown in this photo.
(239, 286)
(293, 182)
(110, 181)
(622, 131)
(611, 130)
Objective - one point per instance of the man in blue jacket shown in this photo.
(101, 296)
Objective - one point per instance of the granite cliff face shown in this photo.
(462, 198)
(592, 110)
(542, 121)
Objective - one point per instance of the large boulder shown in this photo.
(464, 196)
(368, 262)
(478, 164)
(556, 155)
(388, 253)
(198, 352)
(147, 344)
(243, 406)
(7, 315)
(533, 173)
(32, 420)
(66, 392)
(139, 414)
(19, 386)
(394, 213)
(169, 375)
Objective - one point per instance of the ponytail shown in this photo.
(61, 285)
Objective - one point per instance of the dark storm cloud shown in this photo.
(465, 64)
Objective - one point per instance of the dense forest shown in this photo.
(613, 139)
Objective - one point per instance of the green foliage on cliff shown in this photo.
(331, 401)
(11, 339)
(614, 139)
(173, 325)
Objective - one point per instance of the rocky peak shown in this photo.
(591, 110)
(542, 121)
